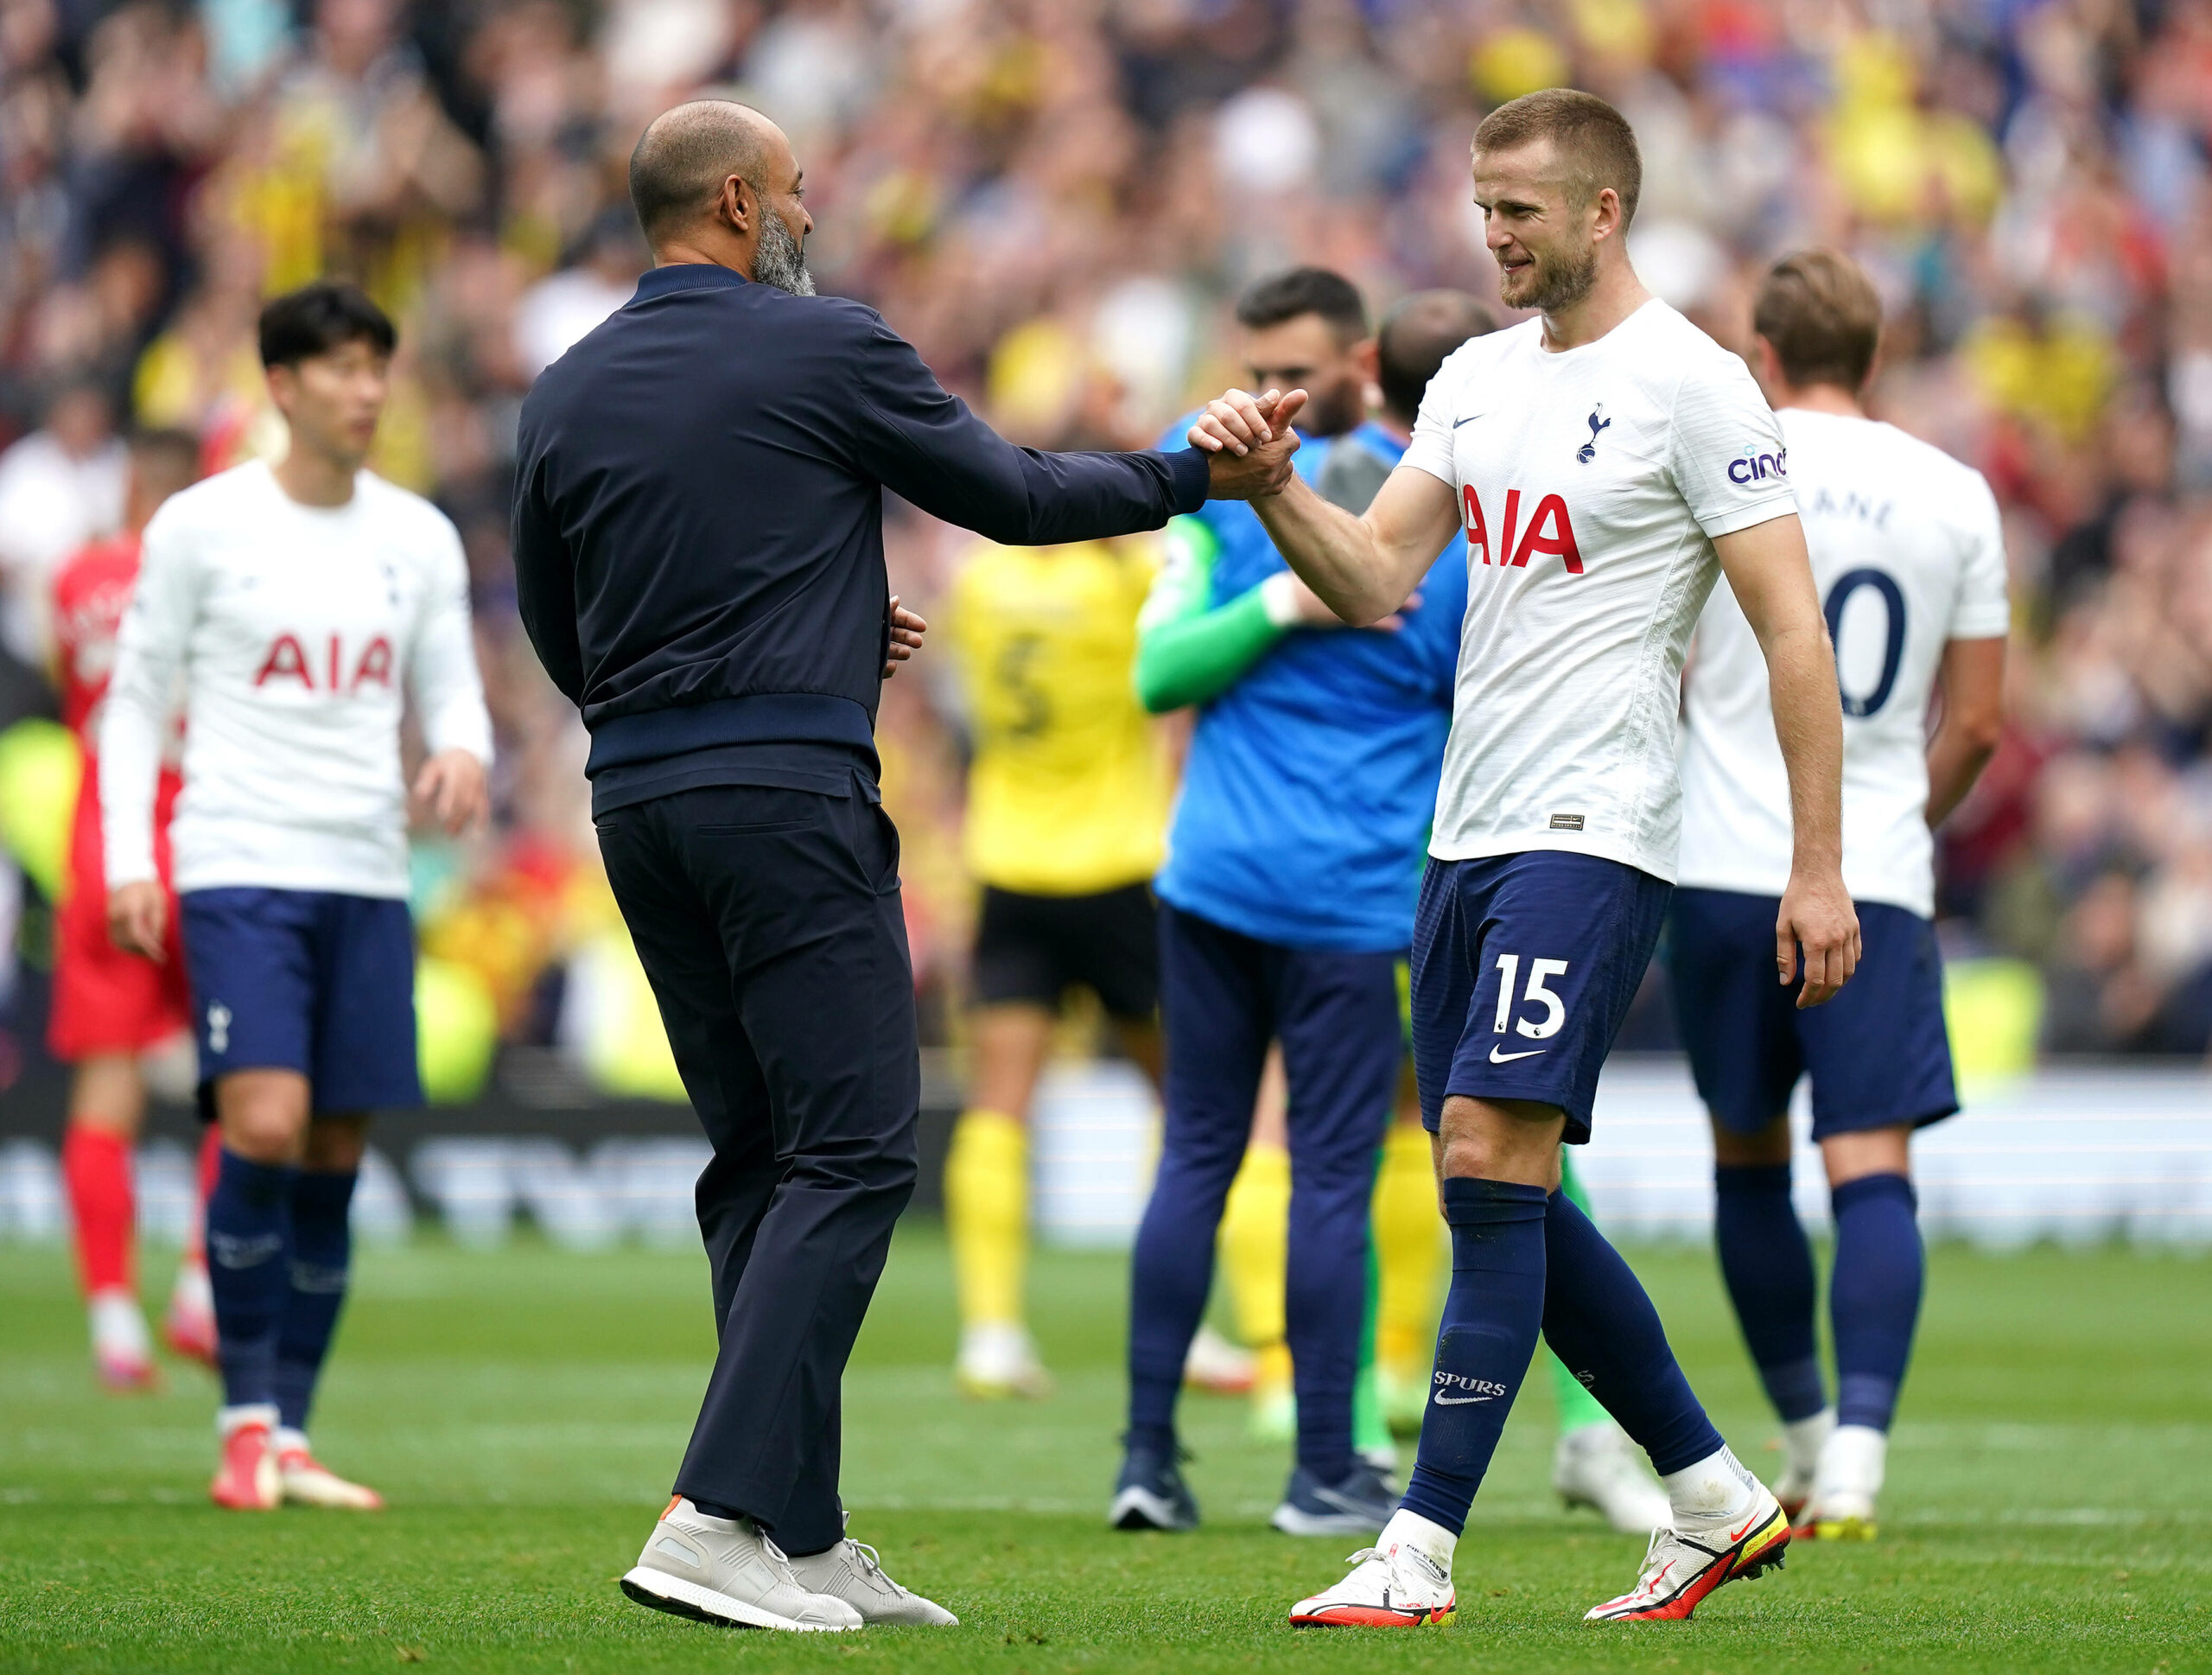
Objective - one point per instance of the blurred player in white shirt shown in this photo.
(1608, 463)
(1910, 560)
(302, 605)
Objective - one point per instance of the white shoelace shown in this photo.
(872, 1565)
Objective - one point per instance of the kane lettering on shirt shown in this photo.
(300, 633)
(1908, 554)
(1591, 482)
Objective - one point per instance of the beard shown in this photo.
(1553, 281)
(778, 260)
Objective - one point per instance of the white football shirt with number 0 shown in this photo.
(1908, 554)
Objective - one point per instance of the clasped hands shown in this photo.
(1250, 440)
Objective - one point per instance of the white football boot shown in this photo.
(306, 1481)
(1802, 1442)
(122, 1348)
(1597, 1466)
(1394, 1584)
(851, 1571)
(726, 1570)
(1680, 1569)
(997, 1360)
(1216, 1366)
(1853, 1461)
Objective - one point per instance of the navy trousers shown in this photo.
(769, 923)
(1223, 997)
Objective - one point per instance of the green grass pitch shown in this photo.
(2050, 1504)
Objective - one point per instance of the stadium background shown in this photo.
(1056, 201)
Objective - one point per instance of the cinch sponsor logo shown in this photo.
(288, 660)
(1550, 531)
(1749, 467)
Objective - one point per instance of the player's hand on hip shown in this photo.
(138, 920)
(1816, 915)
(907, 631)
(451, 790)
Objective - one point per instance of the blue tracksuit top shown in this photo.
(1311, 784)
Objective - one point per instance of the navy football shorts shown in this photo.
(1878, 1052)
(1523, 967)
(306, 980)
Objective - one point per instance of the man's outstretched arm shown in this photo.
(1768, 567)
(925, 446)
(1361, 567)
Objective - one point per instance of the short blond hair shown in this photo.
(1823, 317)
(1593, 139)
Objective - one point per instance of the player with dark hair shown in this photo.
(301, 606)
(1607, 464)
(1285, 901)
(112, 1009)
(1909, 555)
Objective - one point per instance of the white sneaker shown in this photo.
(998, 1359)
(1597, 1466)
(1397, 1586)
(725, 1571)
(1853, 1461)
(1680, 1571)
(1218, 1366)
(851, 1571)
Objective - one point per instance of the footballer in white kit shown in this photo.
(1909, 557)
(1607, 464)
(298, 608)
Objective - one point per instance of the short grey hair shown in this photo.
(684, 156)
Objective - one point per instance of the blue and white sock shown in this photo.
(249, 1271)
(1491, 1317)
(323, 1255)
(1874, 1295)
(1599, 1321)
(1767, 1262)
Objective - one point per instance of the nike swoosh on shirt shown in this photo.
(1470, 419)
(1497, 1057)
(1458, 1401)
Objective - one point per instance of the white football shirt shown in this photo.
(1591, 482)
(1908, 554)
(298, 633)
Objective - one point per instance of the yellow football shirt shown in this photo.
(1070, 788)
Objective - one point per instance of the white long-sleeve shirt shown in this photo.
(298, 631)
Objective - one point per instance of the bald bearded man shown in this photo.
(698, 542)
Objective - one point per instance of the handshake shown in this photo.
(1250, 441)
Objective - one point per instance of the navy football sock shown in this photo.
(1598, 1322)
(1488, 1336)
(1768, 1264)
(322, 1252)
(248, 1240)
(1873, 1294)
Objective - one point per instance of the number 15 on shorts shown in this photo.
(1538, 995)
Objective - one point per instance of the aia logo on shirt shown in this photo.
(1751, 467)
(1549, 532)
(338, 675)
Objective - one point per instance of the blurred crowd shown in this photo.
(1056, 201)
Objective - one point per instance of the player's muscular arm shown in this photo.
(1772, 576)
(1972, 679)
(1362, 567)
